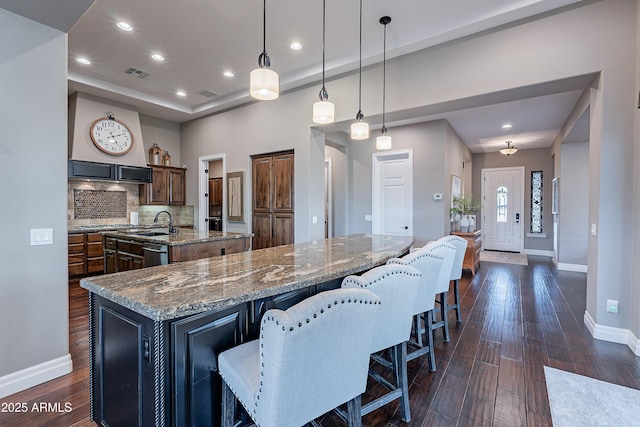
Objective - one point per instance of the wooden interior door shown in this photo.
(273, 202)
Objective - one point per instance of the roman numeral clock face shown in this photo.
(111, 136)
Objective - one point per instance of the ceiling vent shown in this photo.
(207, 93)
(136, 72)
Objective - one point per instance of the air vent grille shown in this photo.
(207, 93)
(136, 72)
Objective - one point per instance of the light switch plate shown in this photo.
(314, 219)
(368, 218)
(41, 236)
(593, 230)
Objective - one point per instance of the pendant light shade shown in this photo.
(509, 150)
(264, 83)
(323, 110)
(360, 129)
(383, 142)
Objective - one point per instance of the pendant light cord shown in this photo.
(324, 95)
(263, 59)
(360, 116)
(384, 78)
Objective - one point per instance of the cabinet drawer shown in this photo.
(76, 248)
(130, 247)
(76, 269)
(76, 238)
(95, 265)
(76, 259)
(94, 237)
(110, 243)
(94, 250)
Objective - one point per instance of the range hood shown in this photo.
(86, 161)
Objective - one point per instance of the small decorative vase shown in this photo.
(472, 223)
(464, 223)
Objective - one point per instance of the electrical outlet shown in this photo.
(368, 218)
(612, 306)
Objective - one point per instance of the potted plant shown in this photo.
(463, 206)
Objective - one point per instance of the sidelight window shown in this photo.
(502, 204)
(536, 202)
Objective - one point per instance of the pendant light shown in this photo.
(323, 110)
(263, 83)
(360, 129)
(509, 150)
(383, 142)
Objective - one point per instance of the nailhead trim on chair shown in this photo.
(365, 284)
(268, 319)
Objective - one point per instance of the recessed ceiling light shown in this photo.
(228, 74)
(506, 126)
(181, 93)
(84, 61)
(295, 46)
(158, 57)
(124, 26)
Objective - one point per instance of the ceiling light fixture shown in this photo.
(509, 150)
(323, 110)
(506, 126)
(124, 26)
(360, 129)
(263, 82)
(157, 57)
(228, 74)
(295, 46)
(181, 93)
(383, 142)
(84, 61)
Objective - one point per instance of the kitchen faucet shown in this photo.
(172, 229)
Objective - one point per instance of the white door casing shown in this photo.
(503, 208)
(392, 197)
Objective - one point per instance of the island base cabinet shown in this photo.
(154, 373)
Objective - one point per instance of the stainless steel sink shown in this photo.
(152, 233)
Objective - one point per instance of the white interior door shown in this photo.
(503, 208)
(393, 193)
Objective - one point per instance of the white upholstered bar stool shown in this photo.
(456, 271)
(429, 265)
(308, 360)
(397, 287)
(448, 252)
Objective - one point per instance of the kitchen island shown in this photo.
(135, 248)
(155, 333)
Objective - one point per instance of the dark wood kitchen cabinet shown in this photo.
(168, 187)
(273, 204)
(215, 191)
(85, 254)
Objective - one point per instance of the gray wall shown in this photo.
(164, 133)
(33, 185)
(532, 160)
(573, 219)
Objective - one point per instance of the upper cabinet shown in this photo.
(168, 187)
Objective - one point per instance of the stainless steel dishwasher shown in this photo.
(155, 254)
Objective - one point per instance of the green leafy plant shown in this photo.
(464, 205)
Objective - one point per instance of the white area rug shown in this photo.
(503, 257)
(576, 400)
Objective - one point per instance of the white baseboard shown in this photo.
(571, 267)
(34, 375)
(611, 334)
(538, 252)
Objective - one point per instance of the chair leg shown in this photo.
(402, 381)
(429, 335)
(228, 406)
(354, 412)
(456, 294)
(445, 318)
(418, 329)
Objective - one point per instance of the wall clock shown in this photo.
(111, 136)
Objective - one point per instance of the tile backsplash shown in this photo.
(106, 203)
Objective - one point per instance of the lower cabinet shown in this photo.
(85, 254)
(122, 255)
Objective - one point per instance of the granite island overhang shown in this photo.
(162, 327)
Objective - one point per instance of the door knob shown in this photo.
(406, 227)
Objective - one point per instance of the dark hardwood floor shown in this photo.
(516, 319)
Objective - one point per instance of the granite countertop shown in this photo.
(184, 236)
(171, 291)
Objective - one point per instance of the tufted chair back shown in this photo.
(461, 247)
(397, 286)
(448, 252)
(314, 356)
(429, 264)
